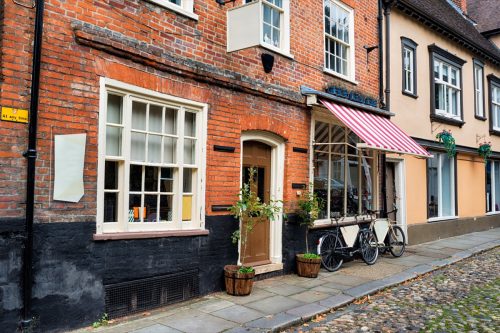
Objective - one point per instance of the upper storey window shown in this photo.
(184, 7)
(339, 39)
(409, 68)
(263, 23)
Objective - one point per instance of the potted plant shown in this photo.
(249, 210)
(448, 141)
(308, 264)
(484, 150)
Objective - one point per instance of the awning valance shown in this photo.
(377, 132)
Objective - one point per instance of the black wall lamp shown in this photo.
(267, 62)
(223, 2)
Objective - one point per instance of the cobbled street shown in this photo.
(463, 297)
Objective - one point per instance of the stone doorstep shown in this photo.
(306, 312)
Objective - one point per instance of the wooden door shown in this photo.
(258, 156)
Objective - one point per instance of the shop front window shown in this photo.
(342, 174)
(493, 186)
(441, 186)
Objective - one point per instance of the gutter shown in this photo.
(31, 155)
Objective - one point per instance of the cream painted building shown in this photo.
(443, 76)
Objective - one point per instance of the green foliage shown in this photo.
(311, 256)
(103, 321)
(245, 269)
(484, 150)
(250, 210)
(310, 206)
(448, 141)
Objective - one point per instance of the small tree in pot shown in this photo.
(308, 264)
(250, 210)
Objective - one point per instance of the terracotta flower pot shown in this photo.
(238, 284)
(307, 267)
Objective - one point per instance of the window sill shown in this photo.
(495, 132)
(409, 94)
(340, 76)
(276, 50)
(175, 8)
(441, 218)
(446, 120)
(149, 234)
(493, 213)
(480, 118)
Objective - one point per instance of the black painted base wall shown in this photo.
(70, 269)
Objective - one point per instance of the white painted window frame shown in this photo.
(284, 47)
(440, 157)
(479, 90)
(351, 63)
(133, 92)
(409, 71)
(449, 88)
(495, 105)
(186, 7)
(317, 116)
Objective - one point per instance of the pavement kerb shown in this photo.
(386, 283)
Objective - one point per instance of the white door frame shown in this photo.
(277, 145)
(400, 185)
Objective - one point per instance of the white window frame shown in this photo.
(479, 90)
(351, 63)
(449, 88)
(186, 7)
(284, 47)
(493, 179)
(320, 117)
(495, 105)
(440, 156)
(408, 71)
(129, 93)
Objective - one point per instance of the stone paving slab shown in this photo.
(283, 301)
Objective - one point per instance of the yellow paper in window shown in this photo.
(187, 205)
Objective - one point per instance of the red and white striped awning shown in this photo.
(375, 131)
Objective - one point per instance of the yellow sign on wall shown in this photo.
(15, 115)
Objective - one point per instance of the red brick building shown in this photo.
(167, 95)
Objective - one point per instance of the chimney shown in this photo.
(462, 4)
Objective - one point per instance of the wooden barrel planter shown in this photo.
(238, 284)
(307, 267)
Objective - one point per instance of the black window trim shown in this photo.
(410, 44)
(436, 52)
(479, 63)
(492, 81)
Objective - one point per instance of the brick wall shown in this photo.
(141, 43)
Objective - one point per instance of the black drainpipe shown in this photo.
(380, 56)
(31, 155)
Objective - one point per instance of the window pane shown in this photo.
(439, 95)
(187, 183)
(114, 111)
(169, 145)
(189, 151)
(155, 118)
(190, 124)
(276, 18)
(497, 186)
(113, 141)
(337, 186)
(139, 116)
(321, 136)
(321, 181)
(445, 73)
(154, 148)
(276, 37)
(352, 187)
(167, 180)
(166, 207)
(338, 136)
(432, 186)
(267, 14)
(111, 175)
(150, 208)
(489, 194)
(110, 207)
(437, 69)
(135, 213)
(454, 102)
(177, 2)
(151, 179)
(267, 34)
(446, 185)
(366, 184)
(170, 121)
(352, 140)
(135, 179)
(138, 147)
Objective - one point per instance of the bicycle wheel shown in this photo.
(397, 241)
(368, 246)
(329, 250)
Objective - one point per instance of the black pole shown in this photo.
(380, 56)
(31, 155)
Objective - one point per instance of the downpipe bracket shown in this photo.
(30, 153)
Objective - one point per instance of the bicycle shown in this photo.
(394, 239)
(345, 241)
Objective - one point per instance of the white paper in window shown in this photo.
(69, 161)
